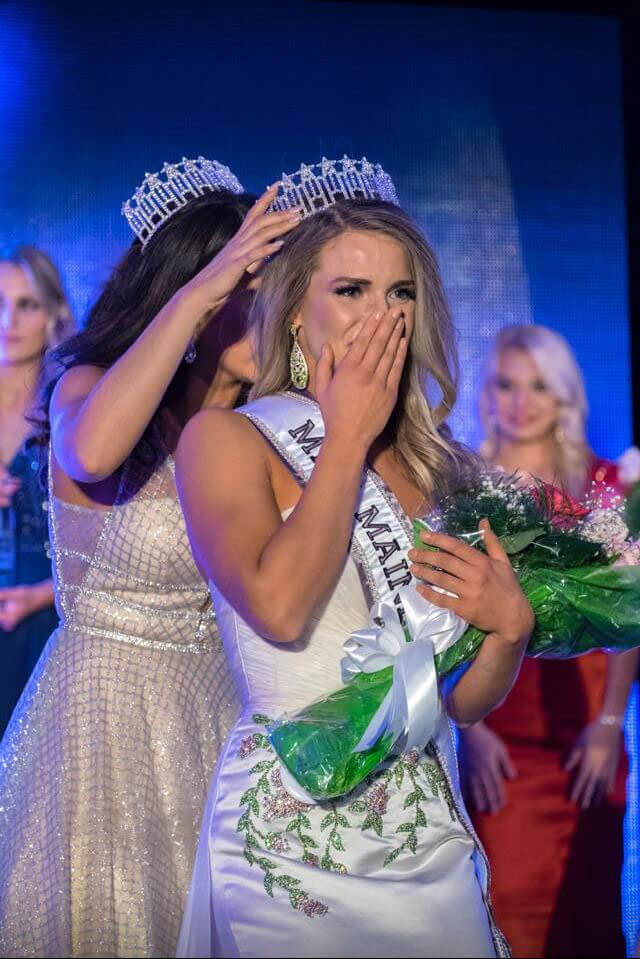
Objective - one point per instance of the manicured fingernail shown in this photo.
(425, 536)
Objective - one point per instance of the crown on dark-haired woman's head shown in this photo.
(162, 194)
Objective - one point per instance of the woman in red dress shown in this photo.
(546, 771)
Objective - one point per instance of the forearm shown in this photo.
(487, 681)
(120, 406)
(42, 595)
(38, 596)
(623, 669)
(303, 559)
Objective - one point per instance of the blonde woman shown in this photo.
(34, 315)
(546, 771)
(353, 312)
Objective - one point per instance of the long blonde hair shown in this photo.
(421, 439)
(561, 374)
(44, 273)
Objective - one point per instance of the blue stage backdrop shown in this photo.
(502, 131)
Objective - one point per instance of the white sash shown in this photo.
(381, 533)
(381, 537)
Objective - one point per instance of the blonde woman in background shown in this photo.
(546, 771)
(34, 315)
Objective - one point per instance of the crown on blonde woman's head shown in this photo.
(162, 194)
(316, 186)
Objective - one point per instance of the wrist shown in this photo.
(348, 450)
(40, 595)
(513, 638)
(189, 309)
(614, 720)
(518, 632)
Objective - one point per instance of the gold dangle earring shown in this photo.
(298, 369)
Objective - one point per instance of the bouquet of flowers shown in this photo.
(629, 475)
(578, 567)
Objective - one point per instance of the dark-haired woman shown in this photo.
(34, 316)
(105, 764)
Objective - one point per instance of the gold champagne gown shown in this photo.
(105, 765)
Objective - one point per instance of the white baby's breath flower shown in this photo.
(605, 526)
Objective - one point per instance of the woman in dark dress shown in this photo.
(34, 315)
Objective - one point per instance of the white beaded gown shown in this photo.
(393, 869)
(105, 764)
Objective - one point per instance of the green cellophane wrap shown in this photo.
(577, 610)
(317, 745)
(580, 599)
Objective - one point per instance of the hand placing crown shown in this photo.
(315, 187)
(161, 194)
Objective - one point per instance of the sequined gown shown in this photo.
(105, 765)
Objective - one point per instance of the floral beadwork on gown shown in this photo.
(273, 820)
(105, 764)
(392, 868)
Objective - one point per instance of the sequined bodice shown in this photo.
(127, 573)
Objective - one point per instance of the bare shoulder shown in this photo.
(217, 441)
(76, 383)
(217, 429)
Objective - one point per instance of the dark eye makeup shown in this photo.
(354, 289)
(503, 383)
(405, 292)
(28, 303)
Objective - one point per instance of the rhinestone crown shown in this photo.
(317, 186)
(161, 194)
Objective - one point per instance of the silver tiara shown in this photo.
(161, 194)
(318, 186)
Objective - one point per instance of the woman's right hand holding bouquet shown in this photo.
(487, 594)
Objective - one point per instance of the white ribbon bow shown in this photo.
(412, 705)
